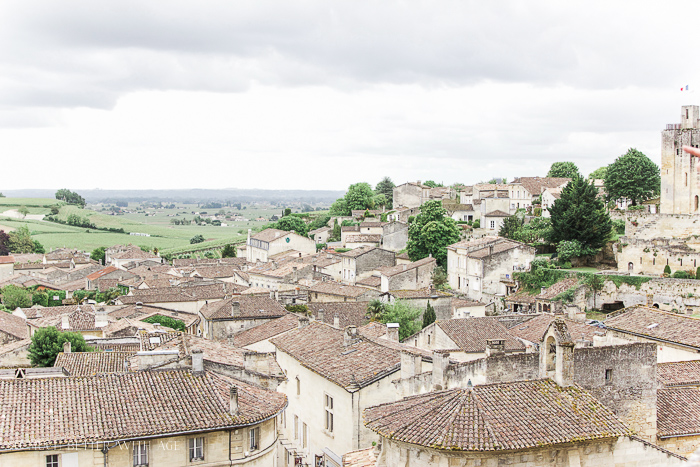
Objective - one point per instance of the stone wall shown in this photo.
(664, 293)
(628, 387)
(373, 260)
(395, 236)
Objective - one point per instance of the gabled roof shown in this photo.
(426, 292)
(320, 348)
(7, 259)
(495, 417)
(401, 268)
(269, 235)
(656, 325)
(249, 306)
(364, 238)
(554, 290)
(92, 363)
(271, 328)
(129, 405)
(13, 325)
(535, 185)
(533, 329)
(470, 334)
(349, 313)
(133, 252)
(334, 288)
(497, 213)
(101, 272)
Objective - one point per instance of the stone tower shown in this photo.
(680, 183)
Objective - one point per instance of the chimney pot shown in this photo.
(392, 331)
(349, 335)
(234, 401)
(303, 322)
(197, 361)
(495, 347)
(66, 347)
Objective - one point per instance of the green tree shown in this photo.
(38, 247)
(568, 249)
(70, 197)
(667, 270)
(14, 297)
(24, 211)
(339, 208)
(292, 223)
(336, 233)
(596, 283)
(386, 187)
(359, 196)
(440, 278)
(287, 212)
(196, 239)
(40, 298)
(21, 241)
(379, 200)
(563, 170)
(4, 243)
(48, 342)
(167, 321)
(320, 221)
(432, 184)
(598, 174)
(404, 314)
(98, 254)
(632, 176)
(511, 227)
(229, 251)
(580, 215)
(429, 316)
(431, 232)
(374, 310)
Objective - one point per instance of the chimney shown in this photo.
(101, 319)
(392, 332)
(233, 406)
(272, 294)
(490, 250)
(319, 315)
(66, 347)
(410, 364)
(64, 322)
(235, 309)
(336, 322)
(404, 266)
(349, 335)
(197, 361)
(495, 347)
(303, 322)
(441, 359)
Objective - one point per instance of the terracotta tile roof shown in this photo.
(403, 255)
(82, 319)
(101, 272)
(46, 312)
(361, 458)
(425, 292)
(134, 252)
(371, 281)
(261, 332)
(679, 373)
(250, 306)
(395, 270)
(216, 271)
(535, 185)
(91, 363)
(678, 411)
(321, 349)
(470, 334)
(364, 238)
(181, 262)
(533, 329)
(373, 330)
(521, 297)
(349, 313)
(14, 345)
(477, 242)
(551, 292)
(181, 294)
(501, 246)
(494, 417)
(280, 268)
(319, 230)
(129, 405)
(13, 325)
(462, 303)
(7, 259)
(359, 251)
(334, 288)
(109, 345)
(269, 235)
(497, 213)
(370, 224)
(655, 324)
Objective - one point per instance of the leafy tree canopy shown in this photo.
(598, 174)
(70, 197)
(429, 316)
(14, 297)
(431, 232)
(386, 187)
(404, 314)
(292, 223)
(563, 170)
(48, 342)
(358, 197)
(511, 227)
(21, 241)
(167, 321)
(4, 243)
(320, 221)
(98, 254)
(580, 215)
(632, 176)
(197, 239)
(229, 251)
(432, 184)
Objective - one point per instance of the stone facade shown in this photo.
(680, 184)
(394, 236)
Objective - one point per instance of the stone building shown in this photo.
(680, 184)
(363, 262)
(412, 276)
(269, 242)
(223, 319)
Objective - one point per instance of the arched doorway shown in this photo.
(630, 267)
(551, 349)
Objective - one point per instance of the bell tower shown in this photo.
(680, 183)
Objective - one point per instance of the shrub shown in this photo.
(303, 309)
(167, 321)
(48, 342)
(681, 275)
(667, 270)
(196, 239)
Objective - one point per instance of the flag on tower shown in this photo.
(685, 88)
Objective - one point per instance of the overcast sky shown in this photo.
(322, 94)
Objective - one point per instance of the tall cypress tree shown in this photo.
(580, 215)
(429, 315)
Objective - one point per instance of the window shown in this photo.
(296, 427)
(197, 449)
(140, 453)
(608, 376)
(298, 386)
(493, 225)
(304, 436)
(329, 413)
(52, 460)
(254, 437)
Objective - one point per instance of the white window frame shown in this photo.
(53, 462)
(140, 453)
(328, 412)
(196, 448)
(254, 438)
